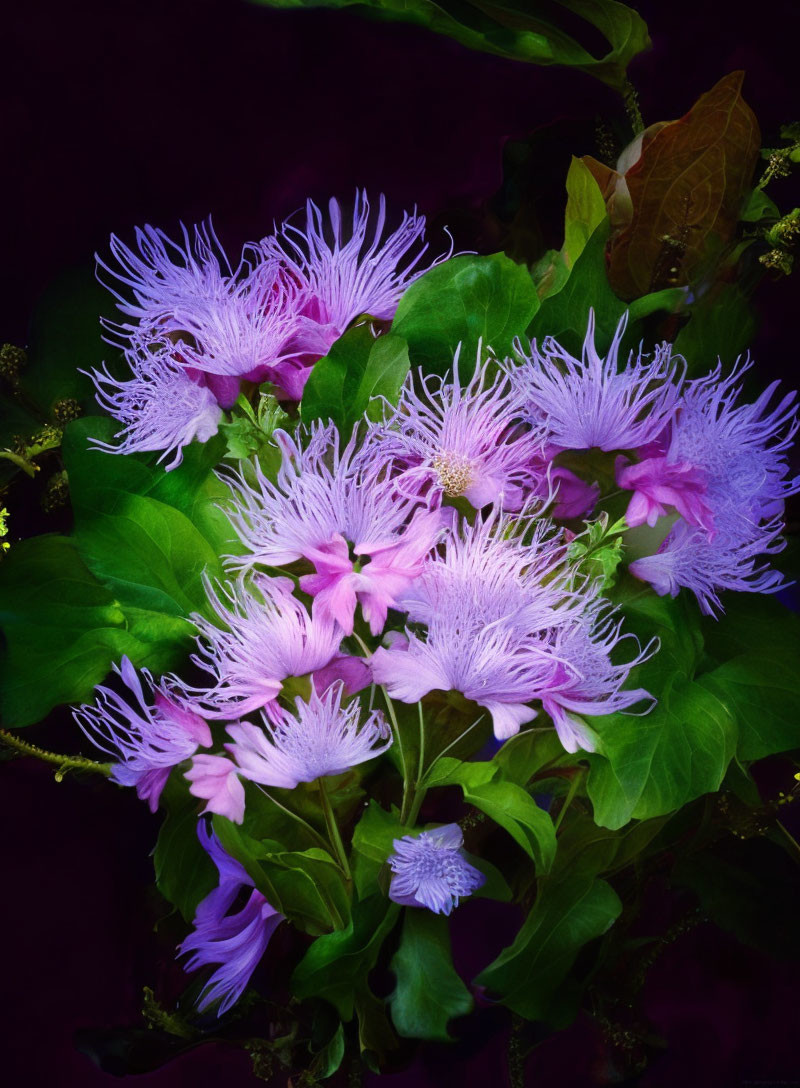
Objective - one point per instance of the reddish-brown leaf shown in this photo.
(686, 192)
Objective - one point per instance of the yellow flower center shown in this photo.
(455, 473)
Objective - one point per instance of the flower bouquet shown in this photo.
(408, 583)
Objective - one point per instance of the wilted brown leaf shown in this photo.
(686, 192)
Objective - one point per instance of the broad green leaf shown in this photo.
(463, 301)
(524, 30)
(721, 327)
(504, 802)
(724, 686)
(565, 313)
(329, 1058)
(147, 552)
(429, 993)
(586, 210)
(357, 369)
(336, 964)
(529, 751)
(185, 873)
(754, 649)
(759, 206)
(516, 811)
(373, 842)
(192, 488)
(63, 630)
(656, 762)
(565, 916)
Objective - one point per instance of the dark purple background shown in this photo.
(118, 113)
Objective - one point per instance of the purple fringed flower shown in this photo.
(430, 870)
(592, 402)
(346, 271)
(508, 624)
(266, 637)
(736, 454)
(148, 740)
(165, 275)
(234, 942)
(161, 407)
(321, 738)
(244, 333)
(688, 557)
(588, 682)
(341, 512)
(464, 441)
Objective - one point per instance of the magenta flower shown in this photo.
(341, 512)
(147, 741)
(346, 271)
(162, 407)
(595, 402)
(233, 942)
(464, 441)
(266, 636)
(430, 870)
(658, 485)
(216, 780)
(321, 738)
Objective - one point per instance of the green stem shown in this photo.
(395, 729)
(64, 763)
(20, 462)
(311, 831)
(573, 789)
(453, 743)
(333, 829)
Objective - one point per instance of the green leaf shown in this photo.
(518, 29)
(759, 206)
(586, 210)
(329, 1058)
(565, 916)
(504, 802)
(754, 649)
(723, 686)
(185, 873)
(192, 488)
(336, 964)
(564, 314)
(654, 763)
(721, 327)
(462, 301)
(63, 630)
(429, 993)
(357, 369)
(373, 842)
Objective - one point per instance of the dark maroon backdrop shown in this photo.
(118, 113)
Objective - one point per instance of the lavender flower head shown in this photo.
(340, 511)
(464, 441)
(430, 870)
(737, 453)
(163, 276)
(161, 407)
(593, 402)
(347, 271)
(507, 624)
(148, 741)
(266, 635)
(235, 942)
(322, 738)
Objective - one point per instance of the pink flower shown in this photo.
(216, 780)
(658, 483)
